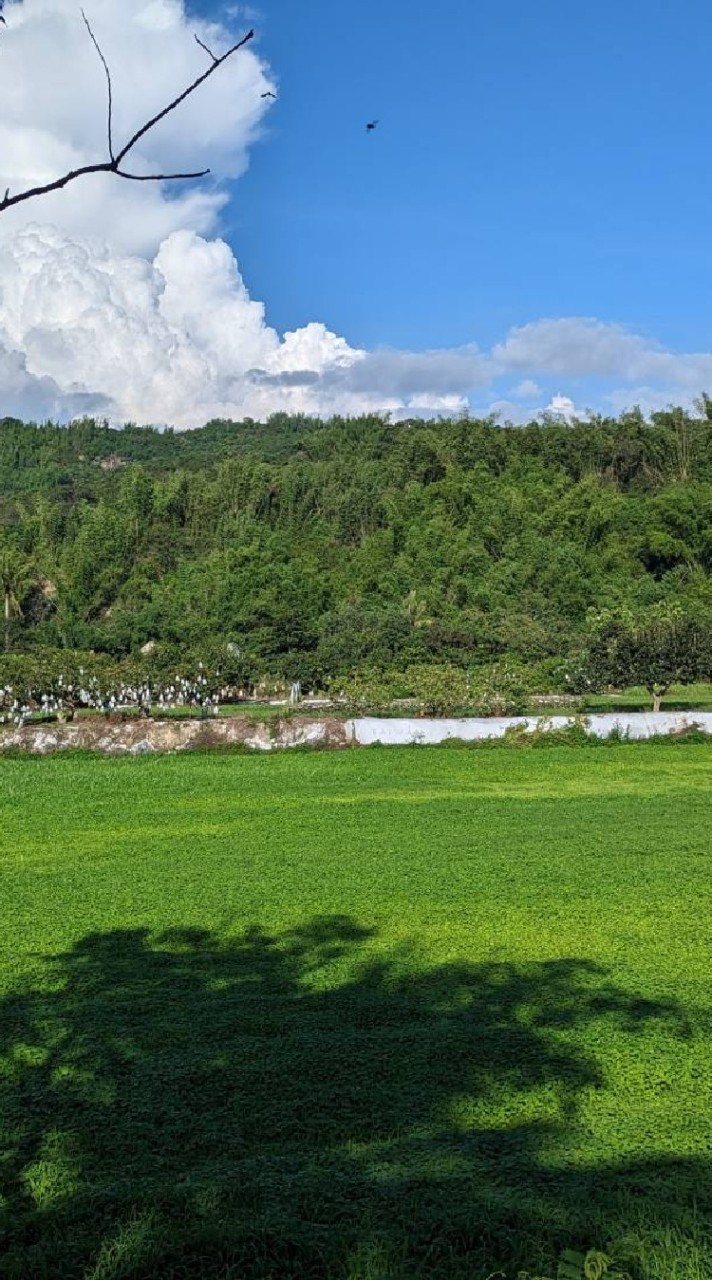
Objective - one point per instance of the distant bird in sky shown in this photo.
(268, 94)
(371, 126)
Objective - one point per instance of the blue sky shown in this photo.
(532, 160)
(529, 226)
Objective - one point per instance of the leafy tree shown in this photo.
(358, 636)
(16, 579)
(656, 649)
(322, 549)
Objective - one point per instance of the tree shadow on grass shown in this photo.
(269, 1106)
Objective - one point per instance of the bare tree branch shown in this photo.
(8, 200)
(181, 97)
(95, 42)
(113, 164)
(160, 177)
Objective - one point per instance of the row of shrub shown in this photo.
(661, 647)
(496, 690)
(58, 683)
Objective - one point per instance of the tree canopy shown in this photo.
(323, 548)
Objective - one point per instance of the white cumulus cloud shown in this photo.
(562, 407)
(178, 340)
(582, 347)
(53, 115)
(119, 298)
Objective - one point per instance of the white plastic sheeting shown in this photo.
(633, 724)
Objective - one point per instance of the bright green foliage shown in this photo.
(437, 690)
(655, 649)
(426, 689)
(372, 691)
(394, 1013)
(573, 1265)
(16, 579)
(500, 690)
(325, 549)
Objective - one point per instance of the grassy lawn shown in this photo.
(375, 1014)
(253, 711)
(687, 697)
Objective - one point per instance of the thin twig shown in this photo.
(95, 42)
(181, 97)
(205, 47)
(112, 165)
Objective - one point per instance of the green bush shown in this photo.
(500, 690)
(439, 690)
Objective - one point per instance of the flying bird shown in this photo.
(268, 94)
(371, 126)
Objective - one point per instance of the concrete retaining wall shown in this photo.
(634, 724)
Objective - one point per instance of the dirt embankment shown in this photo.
(135, 737)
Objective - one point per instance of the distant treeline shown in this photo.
(326, 547)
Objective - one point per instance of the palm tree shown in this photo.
(16, 578)
(416, 610)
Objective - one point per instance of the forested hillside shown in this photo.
(323, 547)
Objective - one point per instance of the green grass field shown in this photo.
(373, 1014)
(680, 697)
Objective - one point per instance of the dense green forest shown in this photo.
(324, 547)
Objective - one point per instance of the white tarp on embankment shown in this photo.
(633, 724)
